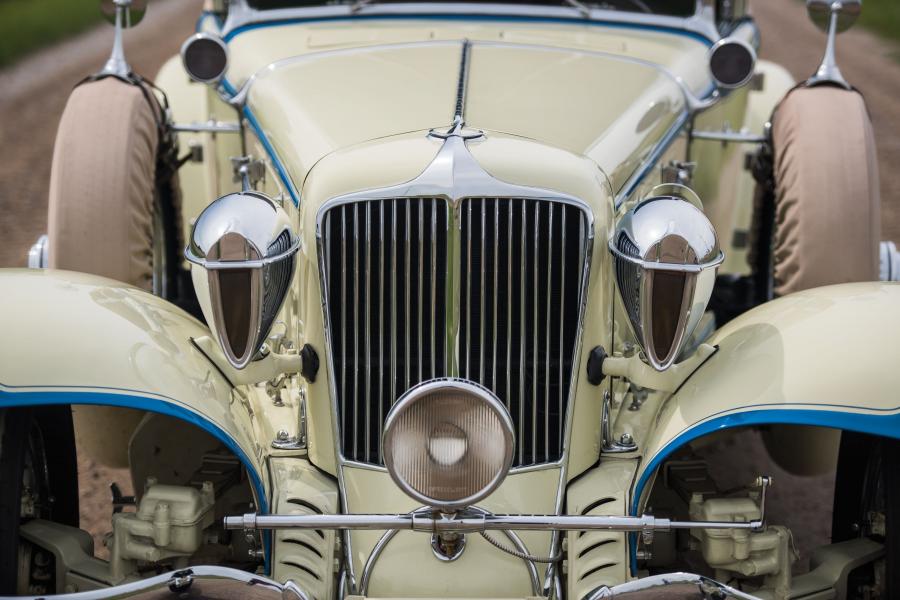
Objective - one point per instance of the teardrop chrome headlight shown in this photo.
(665, 253)
(243, 250)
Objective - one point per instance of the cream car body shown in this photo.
(340, 106)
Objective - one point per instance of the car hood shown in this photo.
(612, 109)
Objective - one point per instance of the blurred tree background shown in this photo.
(27, 25)
(882, 17)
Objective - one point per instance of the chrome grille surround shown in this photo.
(452, 175)
(450, 289)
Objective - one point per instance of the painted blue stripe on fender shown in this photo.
(886, 424)
(129, 399)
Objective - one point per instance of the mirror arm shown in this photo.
(117, 65)
(828, 71)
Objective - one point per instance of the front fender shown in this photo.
(827, 357)
(71, 338)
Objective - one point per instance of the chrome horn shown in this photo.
(243, 248)
(665, 252)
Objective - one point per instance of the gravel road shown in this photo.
(33, 93)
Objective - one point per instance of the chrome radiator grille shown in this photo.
(488, 290)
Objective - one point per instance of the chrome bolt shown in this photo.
(626, 439)
(282, 435)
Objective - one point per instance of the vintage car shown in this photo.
(487, 291)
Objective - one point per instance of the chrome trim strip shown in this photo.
(652, 265)
(222, 265)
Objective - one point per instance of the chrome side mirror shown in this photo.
(844, 12)
(665, 254)
(126, 13)
(242, 248)
(832, 17)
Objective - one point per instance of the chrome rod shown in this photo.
(407, 315)
(211, 126)
(393, 295)
(521, 439)
(426, 521)
(534, 333)
(380, 304)
(548, 298)
(434, 276)
(468, 277)
(421, 281)
(562, 314)
(481, 294)
(495, 293)
(345, 331)
(367, 331)
(726, 136)
(509, 289)
(355, 331)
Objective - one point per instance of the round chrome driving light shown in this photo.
(448, 443)
(205, 57)
(665, 253)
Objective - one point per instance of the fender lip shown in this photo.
(217, 582)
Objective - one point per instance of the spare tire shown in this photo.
(113, 212)
(827, 220)
(824, 224)
(108, 214)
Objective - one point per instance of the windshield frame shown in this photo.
(702, 23)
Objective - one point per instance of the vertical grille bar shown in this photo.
(523, 337)
(517, 329)
(549, 270)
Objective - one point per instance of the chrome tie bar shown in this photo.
(432, 522)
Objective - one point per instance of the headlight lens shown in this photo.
(448, 443)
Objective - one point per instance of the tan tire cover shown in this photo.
(102, 187)
(827, 226)
(827, 202)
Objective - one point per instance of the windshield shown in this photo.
(677, 8)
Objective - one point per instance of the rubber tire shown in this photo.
(16, 425)
(868, 475)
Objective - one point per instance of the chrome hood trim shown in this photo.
(306, 118)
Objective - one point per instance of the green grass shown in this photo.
(882, 17)
(27, 25)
